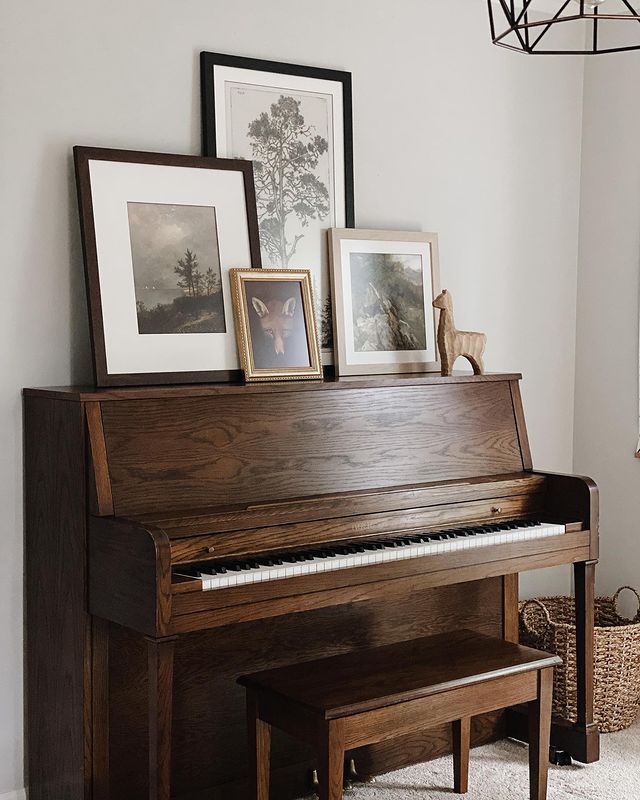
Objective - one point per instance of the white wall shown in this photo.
(451, 135)
(606, 413)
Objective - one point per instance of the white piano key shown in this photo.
(211, 581)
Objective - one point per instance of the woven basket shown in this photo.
(549, 624)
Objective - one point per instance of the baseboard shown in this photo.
(18, 794)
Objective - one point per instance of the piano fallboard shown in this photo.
(215, 535)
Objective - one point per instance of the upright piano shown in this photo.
(177, 537)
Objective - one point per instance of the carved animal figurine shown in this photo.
(453, 343)
(276, 320)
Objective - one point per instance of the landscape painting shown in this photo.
(289, 137)
(387, 302)
(176, 268)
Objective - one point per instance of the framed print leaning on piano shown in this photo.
(295, 123)
(160, 233)
(275, 324)
(383, 286)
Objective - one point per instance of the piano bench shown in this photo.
(339, 703)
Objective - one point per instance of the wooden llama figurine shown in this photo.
(453, 343)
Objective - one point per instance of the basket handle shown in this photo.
(541, 606)
(615, 601)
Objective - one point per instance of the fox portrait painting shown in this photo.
(277, 324)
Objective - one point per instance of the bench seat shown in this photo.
(351, 700)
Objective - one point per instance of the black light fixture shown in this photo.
(523, 26)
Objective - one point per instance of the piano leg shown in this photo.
(160, 672)
(585, 579)
(580, 739)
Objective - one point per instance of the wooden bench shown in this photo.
(347, 701)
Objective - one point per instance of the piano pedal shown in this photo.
(354, 777)
(314, 783)
(351, 777)
(560, 758)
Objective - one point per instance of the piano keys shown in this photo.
(203, 532)
(365, 552)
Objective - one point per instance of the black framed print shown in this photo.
(160, 234)
(295, 124)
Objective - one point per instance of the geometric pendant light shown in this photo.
(606, 26)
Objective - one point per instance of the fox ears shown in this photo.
(259, 307)
(288, 307)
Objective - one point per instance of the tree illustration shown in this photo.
(286, 153)
(211, 282)
(185, 269)
(198, 282)
(326, 325)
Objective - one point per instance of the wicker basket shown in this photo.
(549, 624)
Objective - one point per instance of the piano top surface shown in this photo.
(84, 393)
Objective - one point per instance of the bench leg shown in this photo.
(461, 745)
(331, 761)
(539, 733)
(259, 750)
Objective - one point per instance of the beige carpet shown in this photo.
(499, 772)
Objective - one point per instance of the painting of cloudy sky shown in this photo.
(176, 268)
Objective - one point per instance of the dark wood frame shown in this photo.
(209, 146)
(82, 157)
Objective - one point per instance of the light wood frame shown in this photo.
(239, 278)
(336, 236)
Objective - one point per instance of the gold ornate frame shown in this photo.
(239, 277)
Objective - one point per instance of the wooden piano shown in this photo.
(177, 537)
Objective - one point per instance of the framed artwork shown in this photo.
(160, 233)
(295, 124)
(383, 285)
(276, 324)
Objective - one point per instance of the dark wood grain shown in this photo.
(539, 728)
(577, 497)
(355, 526)
(186, 453)
(510, 598)
(350, 684)
(99, 465)
(160, 716)
(461, 746)
(521, 425)
(91, 393)
(130, 575)
(272, 470)
(374, 695)
(209, 730)
(264, 512)
(57, 630)
(259, 745)
(98, 734)
(434, 570)
(584, 582)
